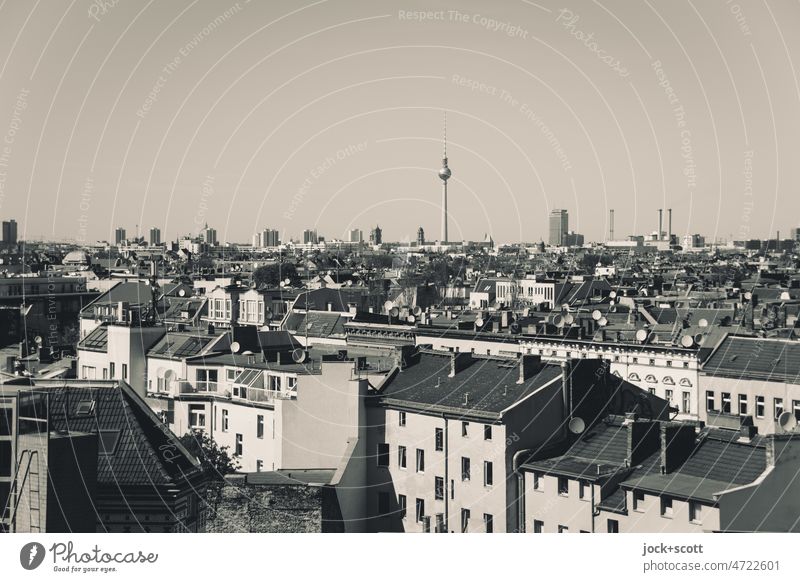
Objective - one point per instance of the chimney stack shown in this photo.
(528, 364)
(660, 222)
(677, 443)
(669, 222)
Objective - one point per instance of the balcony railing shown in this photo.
(201, 387)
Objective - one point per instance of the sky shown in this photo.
(329, 115)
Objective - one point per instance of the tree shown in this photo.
(215, 460)
(272, 275)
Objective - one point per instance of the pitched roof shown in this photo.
(777, 360)
(482, 387)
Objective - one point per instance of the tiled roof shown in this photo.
(320, 324)
(125, 422)
(180, 345)
(488, 386)
(762, 358)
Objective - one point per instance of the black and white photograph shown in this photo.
(271, 269)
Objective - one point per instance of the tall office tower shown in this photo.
(271, 238)
(355, 235)
(211, 235)
(559, 226)
(155, 236)
(120, 236)
(376, 235)
(310, 237)
(420, 237)
(10, 231)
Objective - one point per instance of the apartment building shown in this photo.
(752, 376)
(445, 431)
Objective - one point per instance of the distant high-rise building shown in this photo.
(573, 239)
(559, 226)
(271, 238)
(376, 235)
(355, 235)
(120, 236)
(420, 237)
(795, 234)
(211, 236)
(10, 232)
(310, 237)
(155, 236)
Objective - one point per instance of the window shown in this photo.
(440, 528)
(383, 503)
(420, 461)
(197, 416)
(439, 488)
(488, 479)
(538, 526)
(464, 520)
(563, 529)
(464, 428)
(669, 363)
(488, 522)
(652, 361)
(124, 371)
(777, 404)
(401, 418)
(401, 457)
(259, 465)
(638, 501)
(105, 373)
(383, 455)
(487, 432)
(563, 486)
(666, 507)
(613, 526)
(695, 512)
(439, 439)
(239, 444)
(710, 401)
(668, 395)
(686, 364)
(465, 468)
(635, 360)
(402, 505)
(112, 369)
(760, 407)
(537, 482)
(742, 404)
(224, 420)
(796, 408)
(581, 490)
(686, 400)
(420, 509)
(726, 402)
(260, 426)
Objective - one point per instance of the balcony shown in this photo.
(202, 387)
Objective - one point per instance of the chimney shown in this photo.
(566, 389)
(677, 443)
(669, 223)
(660, 220)
(643, 439)
(528, 364)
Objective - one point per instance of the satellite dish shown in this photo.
(641, 335)
(235, 347)
(703, 322)
(38, 339)
(417, 311)
(787, 421)
(268, 315)
(699, 338)
(596, 315)
(514, 327)
(785, 296)
(569, 319)
(411, 319)
(299, 355)
(748, 296)
(479, 322)
(181, 292)
(602, 322)
(558, 321)
(282, 284)
(394, 312)
(287, 280)
(388, 305)
(612, 295)
(577, 425)
(565, 307)
(247, 353)
(687, 341)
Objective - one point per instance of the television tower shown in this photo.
(444, 175)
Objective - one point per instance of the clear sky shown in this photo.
(328, 115)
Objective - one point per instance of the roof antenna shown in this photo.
(445, 136)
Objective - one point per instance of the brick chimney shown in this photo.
(677, 443)
(643, 440)
(528, 365)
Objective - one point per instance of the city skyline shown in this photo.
(537, 120)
